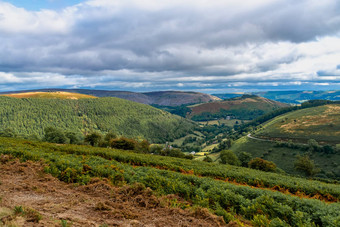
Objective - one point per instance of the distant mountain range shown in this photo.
(162, 98)
(294, 97)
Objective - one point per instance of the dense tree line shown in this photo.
(29, 117)
(182, 110)
(242, 114)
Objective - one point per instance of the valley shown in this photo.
(243, 159)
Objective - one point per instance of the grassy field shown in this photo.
(229, 123)
(320, 123)
(285, 157)
(179, 141)
(51, 95)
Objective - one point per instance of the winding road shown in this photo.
(254, 138)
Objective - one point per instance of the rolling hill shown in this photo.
(30, 117)
(162, 98)
(246, 107)
(321, 123)
(50, 95)
(289, 135)
(293, 97)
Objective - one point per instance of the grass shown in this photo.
(284, 157)
(51, 95)
(229, 123)
(210, 147)
(320, 123)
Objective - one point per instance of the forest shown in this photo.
(29, 117)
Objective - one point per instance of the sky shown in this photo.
(208, 46)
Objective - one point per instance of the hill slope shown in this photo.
(50, 95)
(164, 98)
(31, 116)
(296, 128)
(246, 107)
(236, 193)
(321, 123)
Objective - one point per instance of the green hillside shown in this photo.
(30, 117)
(246, 107)
(320, 123)
(237, 194)
(312, 132)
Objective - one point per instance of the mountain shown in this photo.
(30, 117)
(246, 107)
(293, 97)
(163, 98)
(50, 95)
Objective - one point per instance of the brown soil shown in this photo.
(25, 184)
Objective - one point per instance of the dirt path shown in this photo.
(97, 204)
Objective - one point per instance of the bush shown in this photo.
(228, 157)
(93, 138)
(244, 158)
(306, 165)
(7, 133)
(207, 159)
(261, 164)
(54, 135)
(123, 143)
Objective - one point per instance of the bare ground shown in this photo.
(99, 203)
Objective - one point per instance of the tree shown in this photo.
(156, 149)
(328, 149)
(228, 157)
(93, 138)
(8, 132)
(306, 165)
(261, 164)
(245, 158)
(123, 143)
(72, 137)
(207, 159)
(54, 135)
(109, 136)
(143, 146)
(313, 145)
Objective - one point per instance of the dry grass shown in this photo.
(51, 95)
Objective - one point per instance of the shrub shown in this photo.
(228, 157)
(93, 138)
(207, 159)
(306, 165)
(261, 164)
(244, 158)
(123, 143)
(54, 135)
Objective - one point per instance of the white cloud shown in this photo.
(186, 44)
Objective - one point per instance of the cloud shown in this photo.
(134, 44)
